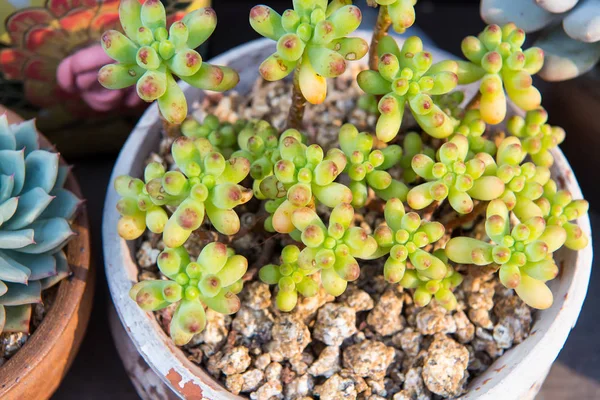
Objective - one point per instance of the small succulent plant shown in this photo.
(427, 289)
(403, 237)
(367, 167)
(454, 178)
(312, 41)
(290, 278)
(570, 31)
(150, 56)
(537, 137)
(205, 184)
(303, 174)
(332, 249)
(222, 136)
(408, 76)
(212, 281)
(524, 253)
(497, 59)
(412, 200)
(35, 211)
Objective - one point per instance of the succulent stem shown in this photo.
(296, 113)
(170, 130)
(379, 31)
(473, 103)
(466, 218)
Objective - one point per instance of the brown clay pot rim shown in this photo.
(66, 303)
(516, 374)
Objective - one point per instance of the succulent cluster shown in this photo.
(367, 167)
(430, 191)
(312, 39)
(204, 184)
(523, 252)
(497, 59)
(151, 57)
(213, 280)
(35, 211)
(570, 31)
(408, 76)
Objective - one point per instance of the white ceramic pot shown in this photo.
(518, 374)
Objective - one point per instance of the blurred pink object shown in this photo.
(78, 74)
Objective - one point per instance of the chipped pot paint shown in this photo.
(518, 374)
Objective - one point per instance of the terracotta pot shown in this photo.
(37, 370)
(518, 374)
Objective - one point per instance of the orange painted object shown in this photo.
(35, 371)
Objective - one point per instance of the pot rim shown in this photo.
(510, 376)
(66, 305)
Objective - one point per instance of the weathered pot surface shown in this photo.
(518, 374)
(37, 369)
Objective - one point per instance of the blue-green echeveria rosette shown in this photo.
(312, 38)
(151, 56)
(35, 211)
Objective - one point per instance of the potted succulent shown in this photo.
(294, 240)
(46, 284)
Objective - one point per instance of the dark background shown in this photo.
(97, 372)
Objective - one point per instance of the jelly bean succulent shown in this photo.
(212, 281)
(222, 136)
(454, 178)
(312, 41)
(291, 279)
(497, 59)
(403, 237)
(303, 174)
(151, 56)
(559, 208)
(523, 251)
(570, 32)
(427, 289)
(408, 76)
(204, 184)
(332, 249)
(35, 214)
(367, 167)
(414, 203)
(537, 137)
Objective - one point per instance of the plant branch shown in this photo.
(473, 103)
(381, 29)
(296, 114)
(170, 130)
(464, 219)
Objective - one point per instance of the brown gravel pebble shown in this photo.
(328, 362)
(335, 323)
(252, 323)
(290, 336)
(234, 360)
(445, 366)
(368, 359)
(357, 299)
(385, 318)
(269, 391)
(337, 388)
(256, 295)
(435, 319)
(465, 330)
(409, 341)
